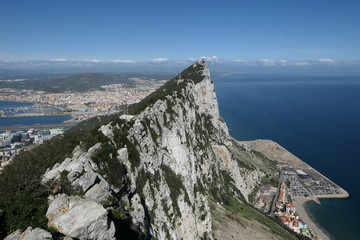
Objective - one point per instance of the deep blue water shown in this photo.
(315, 117)
(11, 121)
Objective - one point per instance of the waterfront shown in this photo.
(9, 122)
(316, 118)
(25, 122)
(24, 109)
(12, 104)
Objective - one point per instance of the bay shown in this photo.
(315, 117)
(12, 104)
(30, 120)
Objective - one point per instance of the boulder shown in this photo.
(80, 218)
(29, 234)
(123, 155)
(86, 181)
(14, 236)
(100, 191)
(80, 163)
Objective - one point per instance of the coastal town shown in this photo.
(81, 105)
(295, 184)
(13, 142)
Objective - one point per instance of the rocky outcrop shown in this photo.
(157, 170)
(81, 172)
(30, 234)
(80, 218)
(184, 157)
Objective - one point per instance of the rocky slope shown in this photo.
(168, 171)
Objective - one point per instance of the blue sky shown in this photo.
(266, 33)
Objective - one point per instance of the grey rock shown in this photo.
(79, 163)
(127, 117)
(80, 218)
(138, 213)
(122, 155)
(14, 236)
(99, 192)
(85, 181)
(29, 234)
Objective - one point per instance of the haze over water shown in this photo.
(317, 118)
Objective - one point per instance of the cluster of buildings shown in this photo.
(293, 183)
(286, 213)
(95, 101)
(30, 110)
(99, 101)
(13, 142)
(82, 105)
(264, 198)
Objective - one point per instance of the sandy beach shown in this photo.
(304, 215)
(275, 152)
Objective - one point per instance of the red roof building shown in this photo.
(282, 194)
(287, 221)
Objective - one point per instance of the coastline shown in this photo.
(305, 215)
(276, 152)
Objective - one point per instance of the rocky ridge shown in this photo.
(158, 170)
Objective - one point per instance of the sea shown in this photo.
(317, 118)
(31, 120)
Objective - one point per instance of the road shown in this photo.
(273, 207)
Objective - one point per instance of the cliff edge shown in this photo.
(165, 169)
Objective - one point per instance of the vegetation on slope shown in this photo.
(190, 74)
(23, 198)
(237, 208)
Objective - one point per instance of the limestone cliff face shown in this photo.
(157, 171)
(184, 157)
(175, 155)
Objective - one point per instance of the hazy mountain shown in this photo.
(78, 82)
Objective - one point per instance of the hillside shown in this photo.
(168, 171)
(274, 151)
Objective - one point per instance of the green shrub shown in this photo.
(190, 74)
(118, 213)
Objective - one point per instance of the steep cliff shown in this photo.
(184, 157)
(169, 170)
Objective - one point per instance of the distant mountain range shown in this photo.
(77, 83)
